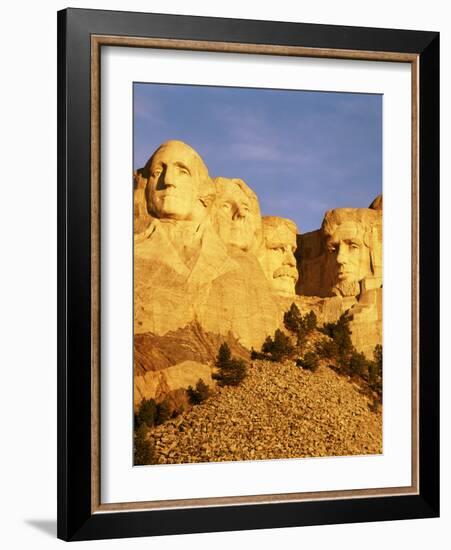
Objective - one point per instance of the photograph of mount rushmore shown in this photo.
(257, 274)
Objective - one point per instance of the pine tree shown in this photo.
(375, 371)
(310, 321)
(278, 348)
(327, 349)
(163, 412)
(235, 373)
(372, 375)
(341, 335)
(282, 346)
(377, 354)
(268, 345)
(257, 354)
(309, 362)
(292, 319)
(300, 326)
(358, 364)
(143, 449)
(200, 393)
(224, 355)
(231, 371)
(147, 412)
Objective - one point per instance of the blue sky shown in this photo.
(301, 152)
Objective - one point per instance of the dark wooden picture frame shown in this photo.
(81, 35)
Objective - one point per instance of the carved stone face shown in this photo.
(236, 214)
(174, 182)
(278, 261)
(348, 255)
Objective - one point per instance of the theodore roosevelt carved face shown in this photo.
(178, 185)
(277, 260)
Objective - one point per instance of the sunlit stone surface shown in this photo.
(277, 255)
(204, 254)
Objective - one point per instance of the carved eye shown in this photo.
(155, 173)
(226, 206)
(185, 171)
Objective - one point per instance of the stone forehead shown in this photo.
(177, 147)
(280, 236)
(349, 226)
(271, 224)
(360, 217)
(226, 186)
(229, 184)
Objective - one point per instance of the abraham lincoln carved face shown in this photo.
(348, 242)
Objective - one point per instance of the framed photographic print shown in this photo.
(248, 274)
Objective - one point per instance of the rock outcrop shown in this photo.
(204, 257)
(177, 360)
(310, 255)
(367, 312)
(160, 384)
(377, 203)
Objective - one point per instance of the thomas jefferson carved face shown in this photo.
(177, 178)
(278, 261)
(236, 214)
(347, 240)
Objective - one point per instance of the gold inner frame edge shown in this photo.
(97, 41)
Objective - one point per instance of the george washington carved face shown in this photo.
(178, 183)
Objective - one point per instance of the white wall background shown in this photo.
(28, 272)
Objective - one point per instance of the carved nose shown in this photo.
(341, 256)
(239, 213)
(289, 258)
(168, 177)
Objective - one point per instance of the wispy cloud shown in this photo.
(316, 205)
(252, 136)
(147, 108)
(302, 153)
(263, 152)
